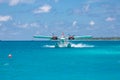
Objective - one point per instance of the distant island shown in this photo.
(101, 38)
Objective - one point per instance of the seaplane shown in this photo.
(63, 41)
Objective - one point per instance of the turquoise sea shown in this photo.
(39, 60)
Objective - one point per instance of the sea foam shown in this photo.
(79, 45)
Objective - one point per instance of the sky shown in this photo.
(21, 19)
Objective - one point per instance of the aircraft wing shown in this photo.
(83, 37)
(44, 37)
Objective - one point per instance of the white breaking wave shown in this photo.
(80, 45)
(49, 46)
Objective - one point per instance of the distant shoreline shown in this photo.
(103, 39)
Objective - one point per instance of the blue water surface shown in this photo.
(38, 60)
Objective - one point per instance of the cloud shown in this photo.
(74, 23)
(93, 1)
(43, 9)
(56, 1)
(110, 19)
(34, 25)
(86, 8)
(46, 26)
(92, 23)
(20, 25)
(76, 11)
(5, 18)
(26, 25)
(16, 2)
(37, 32)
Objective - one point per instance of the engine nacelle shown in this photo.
(54, 38)
(71, 38)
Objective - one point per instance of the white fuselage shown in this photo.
(63, 42)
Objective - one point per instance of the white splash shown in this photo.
(49, 46)
(80, 45)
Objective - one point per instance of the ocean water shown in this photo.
(40, 60)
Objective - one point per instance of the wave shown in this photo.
(79, 45)
(49, 46)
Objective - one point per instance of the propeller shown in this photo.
(71, 37)
(54, 37)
